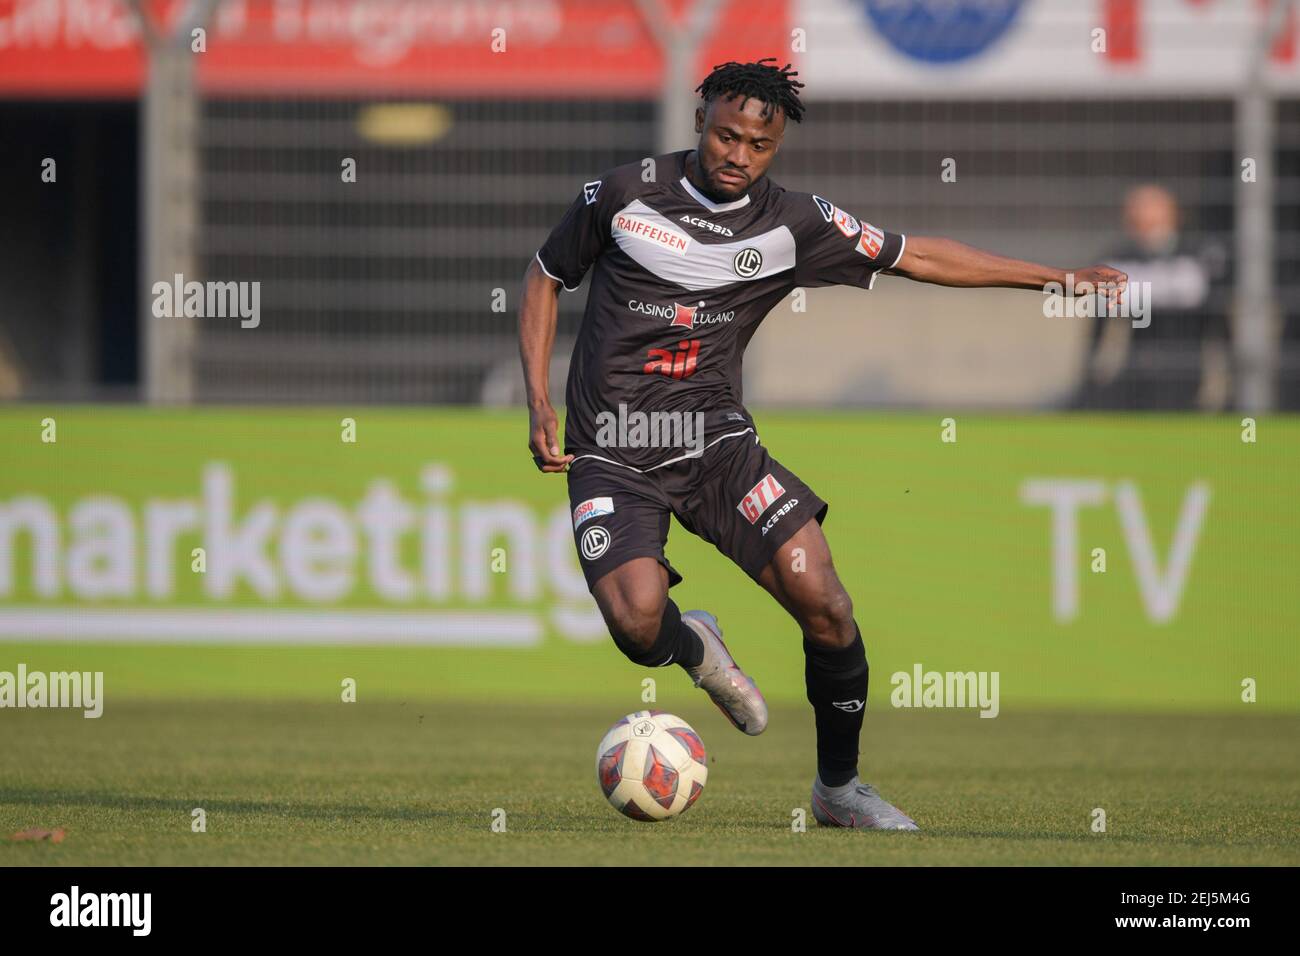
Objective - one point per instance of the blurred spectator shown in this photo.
(1181, 360)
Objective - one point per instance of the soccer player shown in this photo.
(691, 250)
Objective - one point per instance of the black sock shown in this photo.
(837, 676)
(677, 643)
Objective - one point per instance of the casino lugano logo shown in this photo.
(747, 262)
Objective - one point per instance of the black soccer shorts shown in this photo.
(735, 496)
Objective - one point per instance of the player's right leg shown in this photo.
(620, 527)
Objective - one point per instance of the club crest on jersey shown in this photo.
(759, 498)
(589, 191)
(747, 262)
(872, 241)
(592, 508)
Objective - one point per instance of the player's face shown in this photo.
(736, 146)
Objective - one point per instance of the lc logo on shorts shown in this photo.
(595, 542)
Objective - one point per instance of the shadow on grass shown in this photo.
(278, 808)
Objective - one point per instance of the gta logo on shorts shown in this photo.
(759, 498)
(592, 508)
(595, 542)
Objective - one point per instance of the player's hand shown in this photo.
(543, 426)
(1101, 280)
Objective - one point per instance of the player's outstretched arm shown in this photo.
(538, 311)
(948, 262)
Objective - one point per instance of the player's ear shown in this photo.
(699, 120)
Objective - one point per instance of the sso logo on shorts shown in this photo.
(748, 262)
(941, 31)
(592, 508)
(760, 498)
(595, 543)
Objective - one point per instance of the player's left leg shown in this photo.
(802, 578)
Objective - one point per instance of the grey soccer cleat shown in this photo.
(856, 805)
(730, 688)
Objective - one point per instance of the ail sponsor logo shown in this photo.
(705, 224)
(592, 508)
(679, 364)
(759, 498)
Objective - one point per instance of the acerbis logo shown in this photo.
(748, 262)
(682, 316)
(705, 224)
(589, 191)
(851, 706)
(595, 543)
(777, 515)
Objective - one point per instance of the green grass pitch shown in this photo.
(416, 782)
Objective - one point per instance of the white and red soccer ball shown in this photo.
(651, 765)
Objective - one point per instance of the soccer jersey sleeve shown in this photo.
(579, 237)
(833, 247)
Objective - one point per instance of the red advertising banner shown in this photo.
(602, 48)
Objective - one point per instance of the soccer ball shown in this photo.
(651, 765)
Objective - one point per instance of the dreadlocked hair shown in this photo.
(775, 86)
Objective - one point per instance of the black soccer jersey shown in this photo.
(680, 285)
